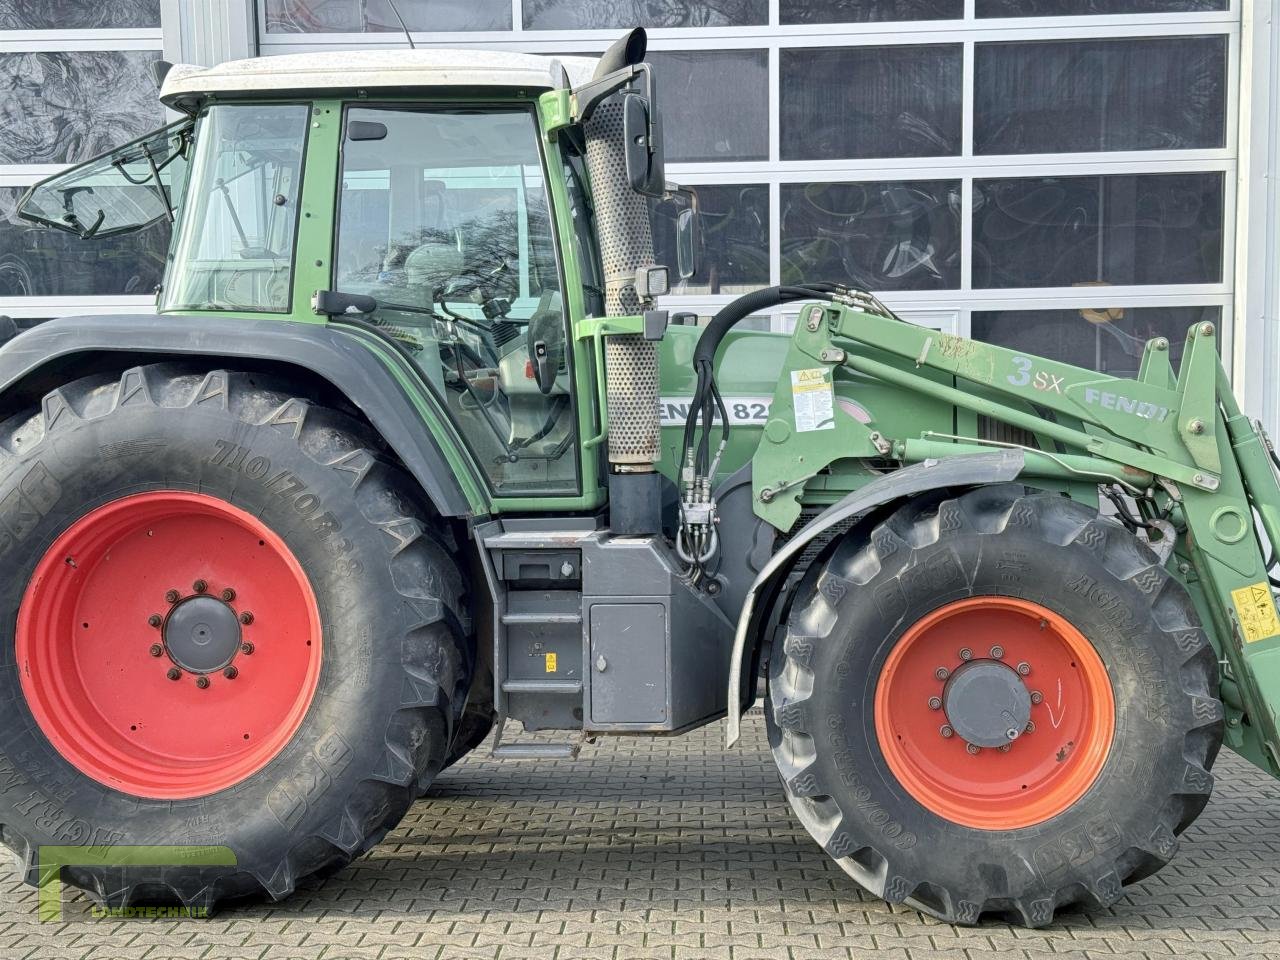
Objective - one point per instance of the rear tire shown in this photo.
(391, 628)
(939, 823)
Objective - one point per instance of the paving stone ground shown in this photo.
(680, 850)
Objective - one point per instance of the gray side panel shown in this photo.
(629, 663)
(328, 352)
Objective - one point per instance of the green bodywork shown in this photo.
(890, 393)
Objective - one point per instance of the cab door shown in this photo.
(444, 220)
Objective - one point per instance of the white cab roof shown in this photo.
(370, 69)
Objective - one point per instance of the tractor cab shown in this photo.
(441, 198)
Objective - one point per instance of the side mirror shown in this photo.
(642, 143)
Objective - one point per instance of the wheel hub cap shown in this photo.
(202, 635)
(987, 704)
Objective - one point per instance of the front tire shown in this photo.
(228, 620)
(997, 704)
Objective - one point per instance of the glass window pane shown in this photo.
(1076, 8)
(1063, 96)
(1125, 229)
(78, 14)
(714, 103)
(853, 102)
(40, 262)
(235, 242)
(733, 221)
(376, 16)
(592, 14)
(1107, 339)
(67, 107)
(899, 235)
(868, 11)
(444, 221)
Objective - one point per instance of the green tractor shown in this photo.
(411, 457)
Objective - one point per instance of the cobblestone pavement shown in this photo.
(673, 849)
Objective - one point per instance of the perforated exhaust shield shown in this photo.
(626, 242)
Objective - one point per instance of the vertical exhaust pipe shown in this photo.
(631, 362)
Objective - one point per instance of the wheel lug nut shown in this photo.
(172, 596)
(942, 673)
(202, 683)
(246, 618)
(947, 732)
(231, 673)
(1037, 697)
(997, 653)
(155, 620)
(1005, 748)
(174, 673)
(157, 650)
(966, 654)
(246, 648)
(228, 595)
(1012, 734)
(1030, 727)
(200, 586)
(973, 749)
(935, 703)
(1024, 668)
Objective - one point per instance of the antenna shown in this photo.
(407, 36)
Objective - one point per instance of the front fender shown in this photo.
(346, 360)
(960, 471)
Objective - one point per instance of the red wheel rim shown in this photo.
(936, 725)
(169, 645)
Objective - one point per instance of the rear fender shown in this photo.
(324, 351)
(962, 471)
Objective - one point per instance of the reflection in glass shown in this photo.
(594, 15)
(897, 235)
(715, 103)
(376, 16)
(1124, 229)
(733, 221)
(1063, 96)
(868, 11)
(39, 262)
(68, 107)
(1106, 339)
(852, 102)
(1077, 8)
(78, 14)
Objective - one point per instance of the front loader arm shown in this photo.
(1184, 435)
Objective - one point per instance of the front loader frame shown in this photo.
(1179, 438)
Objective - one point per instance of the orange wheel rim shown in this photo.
(995, 713)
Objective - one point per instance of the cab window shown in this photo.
(443, 220)
(234, 246)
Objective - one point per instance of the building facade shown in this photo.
(1069, 177)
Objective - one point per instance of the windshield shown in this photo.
(127, 189)
(234, 245)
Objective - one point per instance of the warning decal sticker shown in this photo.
(1257, 612)
(813, 400)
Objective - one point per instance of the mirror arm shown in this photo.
(590, 95)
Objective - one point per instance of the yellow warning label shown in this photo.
(1257, 611)
(551, 663)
